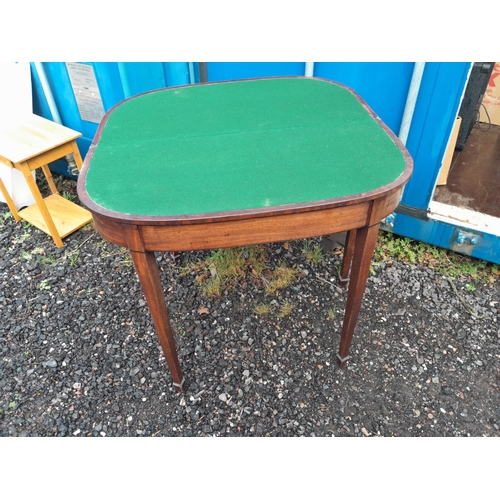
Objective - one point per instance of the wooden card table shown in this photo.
(240, 163)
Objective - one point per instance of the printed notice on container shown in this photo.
(490, 110)
(87, 95)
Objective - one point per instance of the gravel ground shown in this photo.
(79, 355)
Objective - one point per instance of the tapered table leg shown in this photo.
(364, 246)
(147, 270)
(348, 253)
(47, 217)
(9, 201)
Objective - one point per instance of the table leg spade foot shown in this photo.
(344, 282)
(178, 387)
(342, 361)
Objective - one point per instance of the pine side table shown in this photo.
(30, 142)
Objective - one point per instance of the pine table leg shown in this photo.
(9, 201)
(50, 180)
(41, 204)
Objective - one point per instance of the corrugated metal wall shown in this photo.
(384, 86)
(116, 81)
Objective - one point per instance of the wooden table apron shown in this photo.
(358, 214)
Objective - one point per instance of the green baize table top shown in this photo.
(239, 145)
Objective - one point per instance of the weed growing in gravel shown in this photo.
(88, 227)
(285, 309)
(22, 237)
(312, 253)
(44, 285)
(225, 267)
(69, 196)
(330, 314)
(73, 257)
(226, 264)
(212, 287)
(263, 309)
(126, 260)
(391, 246)
(282, 277)
(47, 260)
(100, 243)
(5, 216)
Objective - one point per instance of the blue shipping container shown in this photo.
(384, 86)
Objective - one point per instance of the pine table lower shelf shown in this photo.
(66, 215)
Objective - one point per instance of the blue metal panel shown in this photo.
(445, 235)
(220, 71)
(435, 112)
(109, 82)
(57, 77)
(384, 86)
(176, 73)
(64, 98)
(140, 77)
(116, 81)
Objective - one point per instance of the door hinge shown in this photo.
(417, 213)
